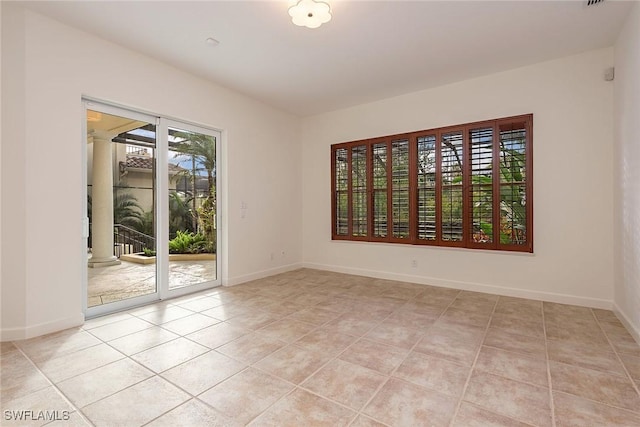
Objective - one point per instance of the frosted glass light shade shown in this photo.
(310, 13)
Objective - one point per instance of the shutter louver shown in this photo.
(400, 188)
(359, 190)
(451, 164)
(427, 188)
(481, 162)
(379, 204)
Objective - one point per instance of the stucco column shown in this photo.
(102, 202)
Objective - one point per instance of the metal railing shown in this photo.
(128, 241)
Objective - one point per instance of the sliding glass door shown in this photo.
(192, 205)
(151, 208)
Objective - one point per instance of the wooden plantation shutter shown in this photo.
(426, 188)
(468, 186)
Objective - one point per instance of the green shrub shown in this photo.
(148, 252)
(189, 243)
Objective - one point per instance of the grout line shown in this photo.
(615, 351)
(548, 360)
(473, 365)
(55, 387)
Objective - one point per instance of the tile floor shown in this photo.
(129, 280)
(318, 348)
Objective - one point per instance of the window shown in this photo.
(463, 186)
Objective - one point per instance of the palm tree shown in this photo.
(180, 214)
(200, 149)
(126, 210)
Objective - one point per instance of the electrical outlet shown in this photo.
(272, 256)
(414, 263)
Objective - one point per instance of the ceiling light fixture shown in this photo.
(310, 13)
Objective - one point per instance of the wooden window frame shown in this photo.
(467, 202)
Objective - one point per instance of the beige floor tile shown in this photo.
(189, 324)
(74, 420)
(351, 324)
(399, 403)
(292, 325)
(628, 348)
(57, 344)
(632, 364)
(513, 366)
(251, 348)
(287, 330)
(102, 382)
(373, 355)
(595, 385)
(325, 341)
(307, 298)
(193, 413)
(69, 365)
(303, 408)
(124, 408)
(201, 304)
(512, 305)
(6, 347)
(35, 409)
(363, 421)
(169, 354)
(458, 344)
(203, 372)
(434, 373)
(283, 308)
(346, 383)
(143, 340)
(532, 328)
(511, 312)
(396, 335)
(585, 356)
(338, 304)
(315, 315)
(572, 411)
(172, 312)
(18, 376)
(473, 306)
(217, 335)
(420, 320)
(591, 336)
(472, 416)
(105, 320)
(293, 363)
(524, 402)
(225, 311)
(245, 395)
(606, 316)
(255, 320)
(118, 329)
(455, 316)
(524, 344)
(434, 292)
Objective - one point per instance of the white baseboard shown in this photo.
(23, 333)
(232, 281)
(469, 286)
(633, 330)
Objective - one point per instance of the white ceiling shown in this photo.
(370, 50)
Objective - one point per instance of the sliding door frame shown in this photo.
(161, 207)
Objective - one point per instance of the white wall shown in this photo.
(573, 158)
(47, 67)
(627, 172)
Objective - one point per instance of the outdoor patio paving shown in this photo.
(128, 280)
